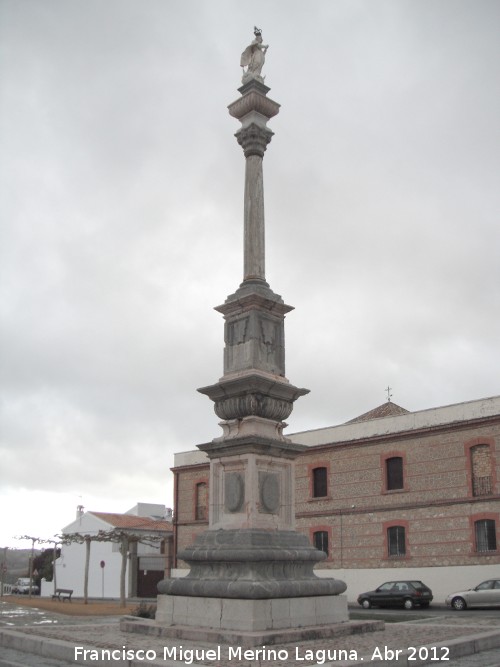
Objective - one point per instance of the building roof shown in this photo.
(447, 416)
(366, 426)
(133, 522)
(387, 409)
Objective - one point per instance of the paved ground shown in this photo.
(32, 637)
(11, 658)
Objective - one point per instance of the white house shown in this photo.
(147, 562)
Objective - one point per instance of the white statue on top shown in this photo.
(253, 58)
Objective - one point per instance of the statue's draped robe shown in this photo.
(253, 57)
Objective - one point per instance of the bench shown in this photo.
(63, 594)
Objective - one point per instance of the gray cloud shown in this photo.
(122, 221)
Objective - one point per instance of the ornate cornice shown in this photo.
(241, 302)
(222, 447)
(253, 404)
(254, 101)
(253, 383)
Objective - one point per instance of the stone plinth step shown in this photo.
(247, 639)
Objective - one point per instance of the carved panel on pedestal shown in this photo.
(269, 492)
(234, 492)
(275, 490)
(229, 491)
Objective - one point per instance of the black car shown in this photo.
(407, 594)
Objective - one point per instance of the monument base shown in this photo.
(251, 564)
(250, 623)
(251, 615)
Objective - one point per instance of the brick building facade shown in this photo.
(391, 494)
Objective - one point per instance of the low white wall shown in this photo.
(177, 572)
(46, 588)
(441, 580)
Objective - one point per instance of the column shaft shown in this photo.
(254, 234)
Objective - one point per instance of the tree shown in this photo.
(125, 538)
(49, 572)
(69, 538)
(43, 564)
(33, 541)
(88, 541)
(121, 536)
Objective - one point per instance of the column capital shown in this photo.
(253, 139)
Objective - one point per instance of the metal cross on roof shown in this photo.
(389, 395)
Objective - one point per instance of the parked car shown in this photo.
(22, 587)
(407, 594)
(486, 594)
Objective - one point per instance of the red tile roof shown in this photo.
(387, 409)
(133, 522)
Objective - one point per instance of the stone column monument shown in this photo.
(251, 571)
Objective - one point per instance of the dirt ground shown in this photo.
(74, 608)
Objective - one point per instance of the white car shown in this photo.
(487, 594)
(22, 587)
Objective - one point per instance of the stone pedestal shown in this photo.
(259, 616)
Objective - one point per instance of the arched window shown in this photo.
(485, 535)
(480, 459)
(396, 541)
(394, 473)
(320, 540)
(320, 482)
(201, 501)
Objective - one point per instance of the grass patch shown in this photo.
(74, 608)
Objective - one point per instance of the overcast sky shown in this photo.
(121, 210)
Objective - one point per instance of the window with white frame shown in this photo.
(396, 541)
(320, 540)
(486, 535)
(319, 482)
(394, 473)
